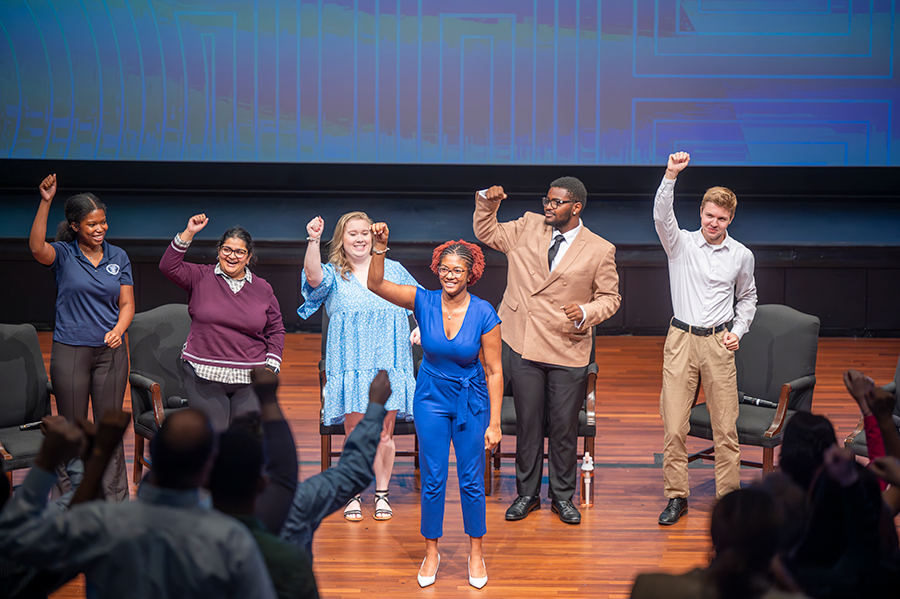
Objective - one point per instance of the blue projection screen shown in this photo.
(614, 82)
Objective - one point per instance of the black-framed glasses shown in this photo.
(227, 251)
(456, 272)
(554, 203)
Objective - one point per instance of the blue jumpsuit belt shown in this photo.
(462, 402)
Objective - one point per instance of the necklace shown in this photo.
(458, 308)
(89, 256)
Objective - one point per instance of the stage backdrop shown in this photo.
(615, 82)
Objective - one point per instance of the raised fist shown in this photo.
(315, 227)
(495, 194)
(380, 389)
(196, 223)
(380, 234)
(48, 188)
(678, 162)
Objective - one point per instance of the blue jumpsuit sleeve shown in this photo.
(314, 297)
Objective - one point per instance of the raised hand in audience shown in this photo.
(859, 385)
(380, 389)
(102, 442)
(62, 442)
(887, 468)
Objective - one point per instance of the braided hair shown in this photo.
(470, 253)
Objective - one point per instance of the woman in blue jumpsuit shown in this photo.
(457, 399)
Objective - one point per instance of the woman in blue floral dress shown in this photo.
(365, 334)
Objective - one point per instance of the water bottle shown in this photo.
(587, 481)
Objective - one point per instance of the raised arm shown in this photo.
(663, 206)
(172, 263)
(401, 295)
(312, 262)
(499, 236)
(42, 251)
(491, 347)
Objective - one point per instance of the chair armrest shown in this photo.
(142, 382)
(4, 455)
(801, 384)
(860, 426)
(590, 400)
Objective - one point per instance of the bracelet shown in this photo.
(313, 239)
(380, 252)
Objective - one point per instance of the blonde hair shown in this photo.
(722, 197)
(336, 253)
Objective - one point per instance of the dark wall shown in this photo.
(852, 290)
(826, 241)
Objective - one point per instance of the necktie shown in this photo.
(551, 254)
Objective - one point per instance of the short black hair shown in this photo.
(806, 437)
(177, 459)
(237, 468)
(575, 189)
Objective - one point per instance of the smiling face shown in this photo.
(234, 257)
(454, 274)
(714, 221)
(565, 217)
(357, 239)
(92, 229)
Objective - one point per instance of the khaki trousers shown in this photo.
(689, 360)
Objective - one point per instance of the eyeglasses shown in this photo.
(227, 251)
(457, 272)
(554, 203)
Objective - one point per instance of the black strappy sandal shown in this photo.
(383, 513)
(353, 515)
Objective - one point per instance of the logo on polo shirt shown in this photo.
(112, 269)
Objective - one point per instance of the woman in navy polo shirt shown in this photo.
(94, 306)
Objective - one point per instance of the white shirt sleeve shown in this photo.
(664, 217)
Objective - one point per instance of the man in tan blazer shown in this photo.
(562, 281)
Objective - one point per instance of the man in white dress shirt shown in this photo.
(708, 269)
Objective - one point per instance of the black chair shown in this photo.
(776, 362)
(587, 421)
(155, 340)
(856, 441)
(401, 426)
(25, 398)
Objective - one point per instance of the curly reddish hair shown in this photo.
(469, 253)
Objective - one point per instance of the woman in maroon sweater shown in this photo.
(236, 323)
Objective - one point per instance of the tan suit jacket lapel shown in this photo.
(543, 248)
(569, 257)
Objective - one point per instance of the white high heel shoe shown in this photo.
(478, 583)
(427, 581)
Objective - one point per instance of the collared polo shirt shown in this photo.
(87, 297)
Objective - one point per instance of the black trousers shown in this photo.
(221, 402)
(98, 374)
(555, 395)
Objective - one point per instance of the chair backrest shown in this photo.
(416, 349)
(155, 340)
(25, 397)
(780, 347)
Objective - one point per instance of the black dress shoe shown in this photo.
(522, 506)
(567, 511)
(674, 510)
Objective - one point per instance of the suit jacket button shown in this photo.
(564, 283)
(548, 320)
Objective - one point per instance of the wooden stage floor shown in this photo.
(540, 556)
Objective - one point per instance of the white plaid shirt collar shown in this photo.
(235, 284)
